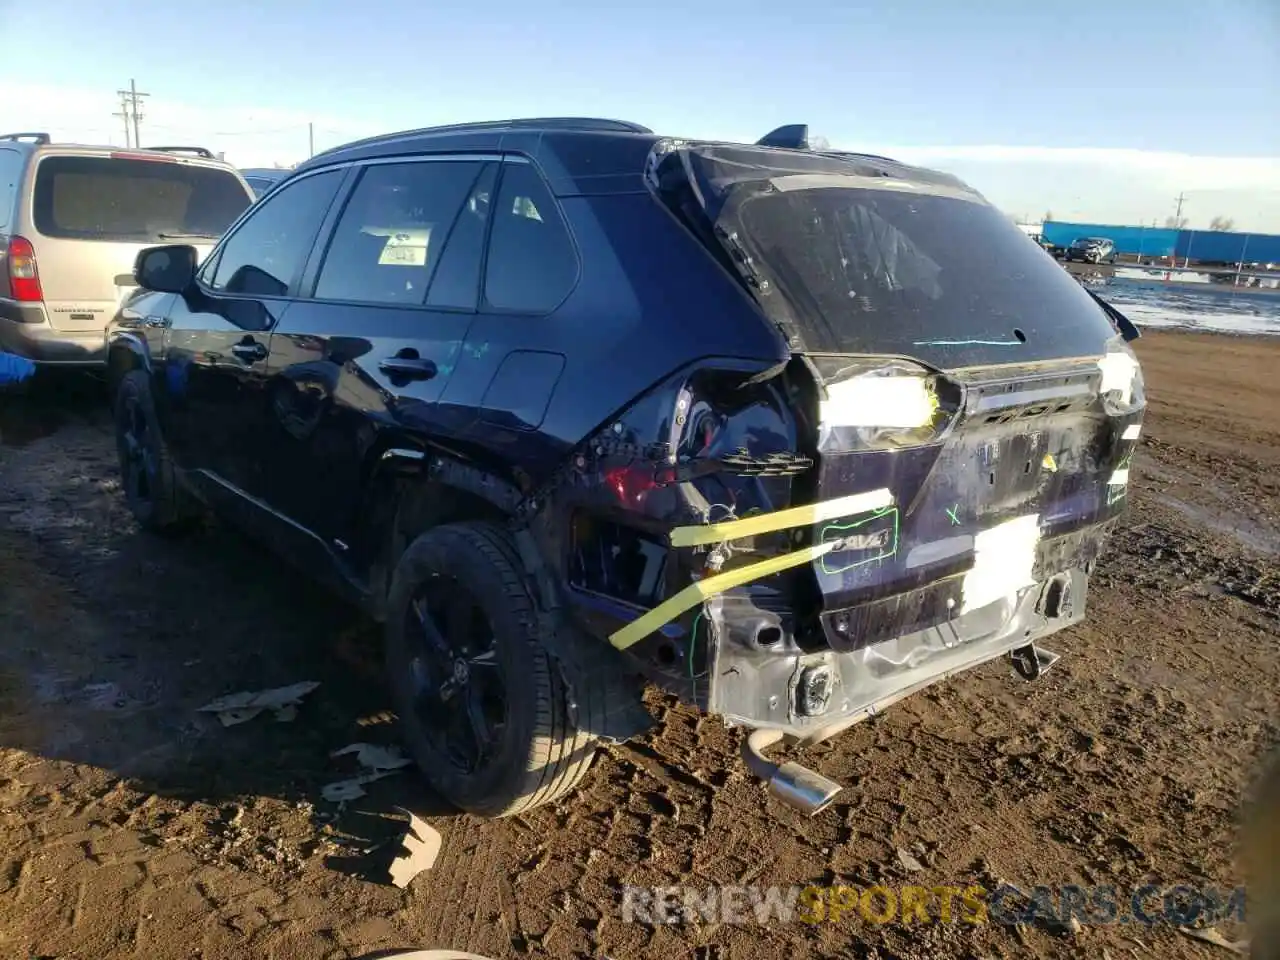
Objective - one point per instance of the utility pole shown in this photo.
(129, 102)
(311, 139)
(1178, 215)
(124, 115)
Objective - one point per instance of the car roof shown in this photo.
(44, 143)
(589, 155)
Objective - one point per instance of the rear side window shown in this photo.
(10, 173)
(136, 201)
(393, 230)
(264, 256)
(532, 264)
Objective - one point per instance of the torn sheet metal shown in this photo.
(241, 707)
(421, 846)
(820, 512)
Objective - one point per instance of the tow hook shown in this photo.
(1032, 662)
(795, 785)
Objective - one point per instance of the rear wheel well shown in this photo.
(402, 508)
(120, 360)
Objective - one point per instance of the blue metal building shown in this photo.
(1215, 246)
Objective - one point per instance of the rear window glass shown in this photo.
(142, 201)
(939, 277)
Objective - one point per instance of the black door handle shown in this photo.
(408, 368)
(249, 351)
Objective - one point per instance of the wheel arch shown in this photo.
(125, 352)
(408, 491)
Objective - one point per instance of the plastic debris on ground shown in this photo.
(421, 846)
(15, 369)
(241, 707)
(379, 761)
(1210, 935)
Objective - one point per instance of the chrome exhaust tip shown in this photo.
(806, 790)
(795, 785)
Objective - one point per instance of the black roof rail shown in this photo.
(34, 137)
(197, 151)
(585, 124)
(541, 123)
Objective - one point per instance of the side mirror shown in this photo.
(170, 269)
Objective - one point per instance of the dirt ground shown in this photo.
(133, 826)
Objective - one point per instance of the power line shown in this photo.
(129, 103)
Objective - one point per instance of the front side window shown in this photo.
(392, 232)
(532, 262)
(265, 255)
(120, 199)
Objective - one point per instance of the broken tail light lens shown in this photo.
(876, 404)
(631, 484)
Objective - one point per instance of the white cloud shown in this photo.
(1108, 185)
(1112, 185)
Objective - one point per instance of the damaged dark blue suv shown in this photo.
(570, 406)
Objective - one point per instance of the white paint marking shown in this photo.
(1118, 372)
(1119, 478)
(1003, 558)
(1132, 432)
(876, 401)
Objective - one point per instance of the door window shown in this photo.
(532, 264)
(265, 255)
(391, 236)
(457, 278)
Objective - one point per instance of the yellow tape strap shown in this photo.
(819, 512)
(700, 590)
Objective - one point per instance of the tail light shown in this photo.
(24, 279)
(1122, 387)
(883, 405)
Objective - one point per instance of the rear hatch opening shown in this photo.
(970, 412)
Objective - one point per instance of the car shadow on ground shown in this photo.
(113, 638)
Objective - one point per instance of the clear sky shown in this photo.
(1094, 110)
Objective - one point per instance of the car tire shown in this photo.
(539, 751)
(152, 490)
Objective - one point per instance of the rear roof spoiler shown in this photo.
(793, 136)
(40, 138)
(195, 151)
